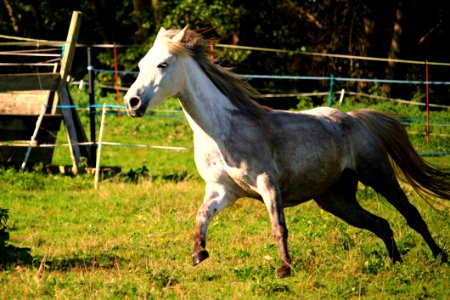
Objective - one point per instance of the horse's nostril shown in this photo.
(134, 102)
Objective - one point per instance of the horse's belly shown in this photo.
(293, 194)
(298, 190)
(308, 176)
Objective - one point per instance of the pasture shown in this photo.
(133, 237)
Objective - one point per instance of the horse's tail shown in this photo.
(425, 179)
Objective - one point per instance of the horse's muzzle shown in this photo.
(135, 107)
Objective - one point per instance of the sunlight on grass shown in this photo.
(132, 238)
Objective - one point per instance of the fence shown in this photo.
(331, 94)
(116, 108)
(28, 98)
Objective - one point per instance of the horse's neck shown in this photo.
(206, 108)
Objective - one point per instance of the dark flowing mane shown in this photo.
(233, 86)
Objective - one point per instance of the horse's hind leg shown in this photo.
(340, 200)
(271, 196)
(390, 189)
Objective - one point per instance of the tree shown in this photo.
(416, 29)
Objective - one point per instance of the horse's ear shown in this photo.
(180, 35)
(160, 32)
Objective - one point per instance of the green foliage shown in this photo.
(357, 28)
(4, 235)
(304, 103)
(3, 219)
(219, 15)
(9, 254)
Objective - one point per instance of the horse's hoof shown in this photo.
(283, 271)
(199, 256)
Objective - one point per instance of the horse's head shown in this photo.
(160, 75)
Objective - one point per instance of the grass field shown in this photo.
(132, 238)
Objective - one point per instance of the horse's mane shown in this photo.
(233, 86)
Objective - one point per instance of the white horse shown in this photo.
(281, 158)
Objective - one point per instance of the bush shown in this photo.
(4, 236)
(10, 254)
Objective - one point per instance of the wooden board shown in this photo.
(71, 45)
(29, 82)
(21, 127)
(19, 111)
(14, 155)
(74, 127)
(24, 103)
(18, 129)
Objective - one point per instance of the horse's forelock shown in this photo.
(192, 43)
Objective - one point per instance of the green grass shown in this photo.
(132, 238)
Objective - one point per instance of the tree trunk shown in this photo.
(100, 11)
(394, 50)
(156, 13)
(12, 16)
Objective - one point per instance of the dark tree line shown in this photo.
(414, 29)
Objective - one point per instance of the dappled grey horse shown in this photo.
(281, 158)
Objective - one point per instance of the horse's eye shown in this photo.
(162, 65)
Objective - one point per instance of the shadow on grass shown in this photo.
(92, 262)
(134, 176)
(11, 255)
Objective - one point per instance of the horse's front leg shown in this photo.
(217, 197)
(270, 192)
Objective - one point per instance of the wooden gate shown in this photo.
(23, 97)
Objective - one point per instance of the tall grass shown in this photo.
(132, 238)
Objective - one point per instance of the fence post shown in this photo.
(69, 51)
(99, 148)
(341, 98)
(330, 96)
(116, 80)
(92, 110)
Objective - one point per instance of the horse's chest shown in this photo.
(214, 168)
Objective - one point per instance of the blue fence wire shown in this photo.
(332, 79)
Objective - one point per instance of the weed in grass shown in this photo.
(270, 287)
(162, 278)
(246, 272)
